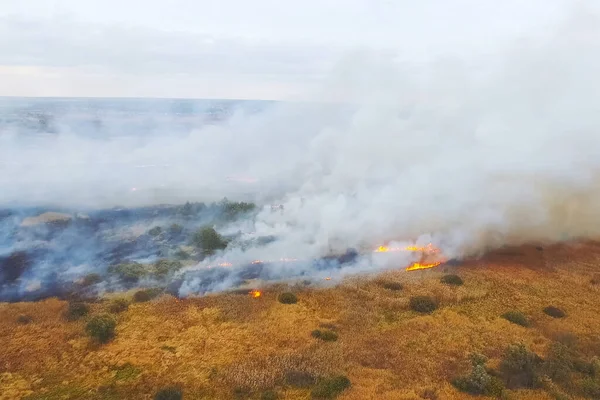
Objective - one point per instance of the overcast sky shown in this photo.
(268, 49)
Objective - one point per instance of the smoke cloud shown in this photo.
(469, 154)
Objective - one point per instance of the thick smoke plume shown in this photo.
(469, 154)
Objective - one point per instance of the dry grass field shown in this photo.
(231, 346)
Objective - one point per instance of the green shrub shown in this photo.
(129, 272)
(144, 295)
(478, 359)
(182, 255)
(209, 240)
(479, 381)
(118, 306)
(299, 379)
(394, 286)
(77, 310)
(164, 268)
(24, 319)
(269, 395)
(520, 367)
(554, 312)
(91, 279)
(516, 317)
(175, 229)
(287, 298)
(232, 210)
(156, 231)
(452, 279)
(423, 304)
(169, 393)
(591, 388)
(102, 328)
(325, 335)
(330, 388)
(127, 372)
(559, 363)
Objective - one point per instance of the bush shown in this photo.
(423, 304)
(516, 317)
(77, 310)
(175, 229)
(182, 255)
(591, 388)
(559, 363)
(118, 306)
(129, 272)
(232, 209)
(156, 231)
(325, 335)
(520, 367)
(287, 298)
(164, 268)
(479, 381)
(299, 379)
(395, 286)
(269, 395)
(330, 388)
(554, 312)
(452, 279)
(24, 319)
(209, 240)
(169, 393)
(101, 328)
(91, 279)
(144, 295)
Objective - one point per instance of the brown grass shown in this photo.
(212, 345)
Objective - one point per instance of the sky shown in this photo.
(260, 49)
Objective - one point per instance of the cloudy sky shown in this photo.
(267, 49)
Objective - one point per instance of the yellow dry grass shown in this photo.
(212, 345)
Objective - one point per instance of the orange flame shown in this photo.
(417, 266)
(256, 294)
(427, 250)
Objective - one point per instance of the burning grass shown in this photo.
(211, 346)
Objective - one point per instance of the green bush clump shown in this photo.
(554, 312)
(299, 379)
(91, 279)
(232, 210)
(479, 381)
(129, 272)
(156, 231)
(423, 304)
(325, 335)
(559, 363)
(164, 267)
(169, 393)
(77, 310)
(452, 279)
(394, 286)
(269, 395)
(591, 388)
(24, 319)
(330, 388)
(516, 317)
(287, 298)
(520, 367)
(182, 255)
(144, 295)
(209, 240)
(175, 229)
(118, 306)
(102, 328)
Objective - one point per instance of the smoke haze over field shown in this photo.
(467, 152)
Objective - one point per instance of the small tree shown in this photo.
(452, 279)
(554, 312)
(102, 328)
(516, 317)
(169, 393)
(520, 367)
(287, 298)
(76, 310)
(423, 304)
(330, 388)
(209, 240)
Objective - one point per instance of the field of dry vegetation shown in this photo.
(235, 346)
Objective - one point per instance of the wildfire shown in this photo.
(417, 266)
(256, 294)
(423, 263)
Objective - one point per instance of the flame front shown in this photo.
(426, 251)
(417, 266)
(256, 294)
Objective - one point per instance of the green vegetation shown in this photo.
(423, 304)
(287, 298)
(175, 229)
(232, 210)
(300, 379)
(554, 312)
(91, 279)
(330, 388)
(118, 306)
(76, 310)
(269, 395)
(516, 317)
(189, 210)
(520, 367)
(324, 335)
(164, 267)
(102, 328)
(209, 240)
(24, 319)
(182, 255)
(394, 286)
(156, 231)
(127, 372)
(479, 381)
(452, 279)
(129, 272)
(144, 295)
(169, 393)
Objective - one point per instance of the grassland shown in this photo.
(232, 346)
